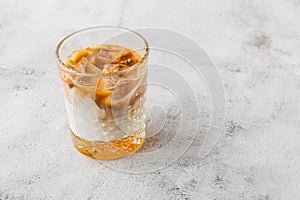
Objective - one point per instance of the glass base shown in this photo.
(110, 150)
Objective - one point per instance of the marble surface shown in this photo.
(255, 45)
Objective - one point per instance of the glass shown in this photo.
(104, 75)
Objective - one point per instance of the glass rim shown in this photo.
(65, 67)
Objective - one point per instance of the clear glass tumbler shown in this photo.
(104, 75)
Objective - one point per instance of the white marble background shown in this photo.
(256, 45)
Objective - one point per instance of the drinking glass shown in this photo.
(106, 111)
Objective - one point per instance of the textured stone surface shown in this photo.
(255, 45)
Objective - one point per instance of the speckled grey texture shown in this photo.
(256, 47)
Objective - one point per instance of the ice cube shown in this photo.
(110, 53)
(88, 67)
